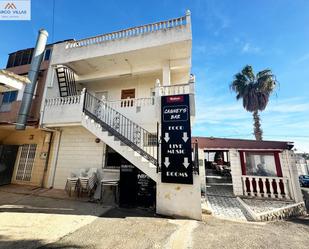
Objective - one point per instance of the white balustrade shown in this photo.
(266, 187)
(131, 103)
(148, 28)
(75, 99)
(176, 89)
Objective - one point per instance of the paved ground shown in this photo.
(27, 220)
(220, 198)
(260, 206)
(128, 229)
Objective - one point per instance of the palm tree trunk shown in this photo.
(258, 132)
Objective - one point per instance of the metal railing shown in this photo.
(127, 131)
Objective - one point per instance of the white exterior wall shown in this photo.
(61, 55)
(180, 200)
(289, 169)
(201, 157)
(77, 150)
(236, 171)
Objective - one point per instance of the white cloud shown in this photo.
(285, 120)
(249, 48)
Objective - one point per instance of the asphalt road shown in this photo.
(128, 229)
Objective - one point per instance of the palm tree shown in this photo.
(254, 91)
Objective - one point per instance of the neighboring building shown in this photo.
(102, 99)
(32, 144)
(259, 169)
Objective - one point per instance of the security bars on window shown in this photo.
(26, 160)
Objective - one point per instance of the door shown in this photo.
(126, 95)
(8, 155)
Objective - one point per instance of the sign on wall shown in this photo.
(176, 156)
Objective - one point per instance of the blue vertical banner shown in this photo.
(176, 151)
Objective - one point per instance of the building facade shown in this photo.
(28, 149)
(258, 169)
(102, 100)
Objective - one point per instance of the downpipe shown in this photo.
(33, 76)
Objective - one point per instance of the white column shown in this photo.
(201, 157)
(236, 172)
(296, 190)
(179, 200)
(166, 73)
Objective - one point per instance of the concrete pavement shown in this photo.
(28, 221)
(129, 231)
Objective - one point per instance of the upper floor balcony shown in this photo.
(130, 51)
(67, 111)
(131, 69)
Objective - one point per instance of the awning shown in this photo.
(10, 81)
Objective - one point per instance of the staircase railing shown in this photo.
(127, 131)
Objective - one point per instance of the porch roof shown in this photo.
(10, 81)
(228, 143)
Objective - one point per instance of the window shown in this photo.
(47, 54)
(150, 140)
(7, 99)
(260, 164)
(11, 60)
(19, 58)
(25, 164)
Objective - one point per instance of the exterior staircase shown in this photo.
(123, 135)
(66, 81)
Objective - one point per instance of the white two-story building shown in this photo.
(102, 100)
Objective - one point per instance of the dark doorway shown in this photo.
(218, 173)
(8, 155)
(136, 188)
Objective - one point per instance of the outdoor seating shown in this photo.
(83, 182)
(71, 183)
(110, 178)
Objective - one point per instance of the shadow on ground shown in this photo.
(131, 212)
(7, 243)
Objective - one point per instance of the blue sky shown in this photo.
(226, 36)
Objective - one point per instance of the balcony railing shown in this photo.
(130, 32)
(266, 187)
(128, 103)
(186, 88)
(70, 100)
(63, 110)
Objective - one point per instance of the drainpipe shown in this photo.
(33, 76)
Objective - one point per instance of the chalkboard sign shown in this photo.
(176, 151)
(145, 190)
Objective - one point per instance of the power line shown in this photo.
(53, 22)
